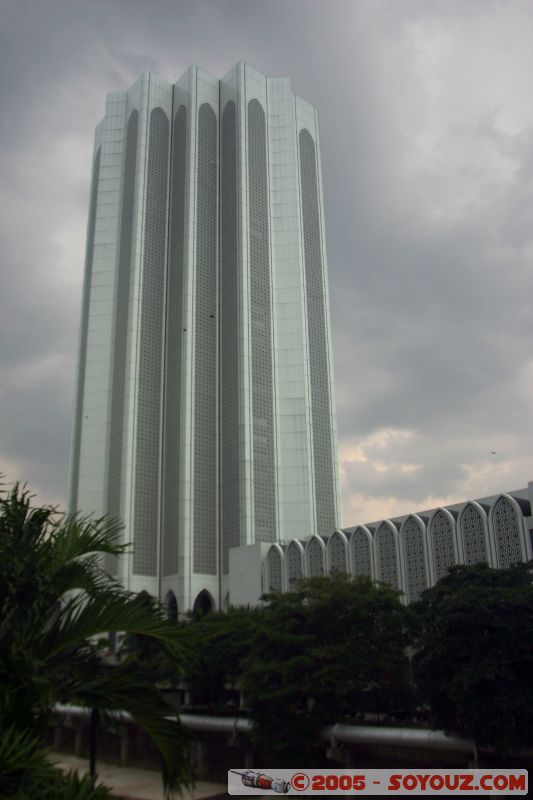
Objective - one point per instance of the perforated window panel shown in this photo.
(294, 566)
(229, 330)
(506, 534)
(473, 533)
(261, 329)
(205, 383)
(315, 559)
(337, 554)
(386, 557)
(442, 541)
(415, 562)
(78, 416)
(361, 554)
(120, 334)
(174, 333)
(274, 570)
(147, 465)
(316, 330)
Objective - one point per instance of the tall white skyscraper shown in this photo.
(204, 414)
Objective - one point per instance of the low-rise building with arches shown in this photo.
(410, 552)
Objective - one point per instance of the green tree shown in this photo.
(26, 773)
(331, 651)
(55, 602)
(220, 642)
(140, 653)
(474, 665)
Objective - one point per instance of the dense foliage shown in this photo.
(474, 665)
(220, 643)
(55, 603)
(327, 653)
(26, 773)
(341, 650)
(334, 650)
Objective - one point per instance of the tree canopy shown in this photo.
(220, 642)
(334, 650)
(331, 651)
(474, 664)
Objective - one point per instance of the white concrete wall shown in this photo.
(246, 573)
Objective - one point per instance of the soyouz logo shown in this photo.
(258, 780)
(443, 782)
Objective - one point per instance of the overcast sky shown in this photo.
(426, 112)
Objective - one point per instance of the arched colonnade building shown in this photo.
(411, 552)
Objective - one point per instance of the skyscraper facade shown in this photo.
(204, 415)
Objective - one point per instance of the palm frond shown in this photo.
(69, 786)
(55, 600)
(129, 692)
(79, 536)
(23, 761)
(84, 575)
(84, 617)
(17, 518)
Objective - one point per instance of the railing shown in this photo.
(409, 738)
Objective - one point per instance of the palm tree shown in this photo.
(56, 600)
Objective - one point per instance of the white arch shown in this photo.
(294, 545)
(385, 572)
(274, 548)
(338, 534)
(491, 560)
(363, 530)
(437, 555)
(415, 580)
(522, 533)
(311, 544)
